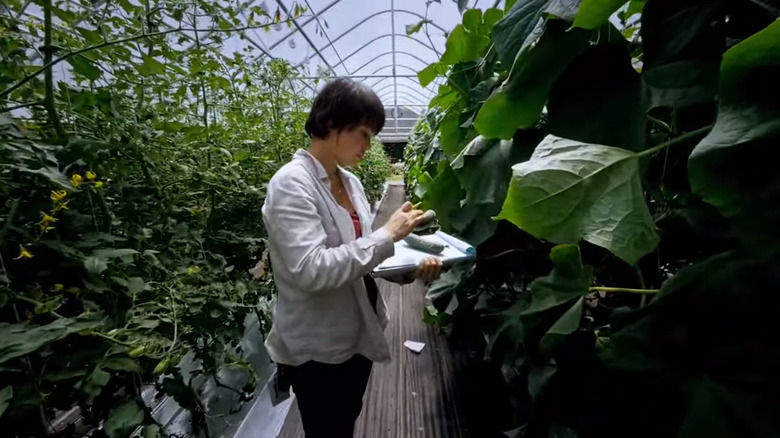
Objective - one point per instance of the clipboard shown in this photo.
(407, 258)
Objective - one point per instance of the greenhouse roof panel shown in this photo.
(367, 41)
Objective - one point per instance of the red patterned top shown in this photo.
(356, 223)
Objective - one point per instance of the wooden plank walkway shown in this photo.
(413, 395)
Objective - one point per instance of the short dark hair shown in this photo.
(344, 104)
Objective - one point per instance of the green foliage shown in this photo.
(641, 150)
(569, 191)
(132, 196)
(373, 171)
(747, 127)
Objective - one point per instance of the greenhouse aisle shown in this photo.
(414, 394)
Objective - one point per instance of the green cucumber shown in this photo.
(421, 244)
(427, 217)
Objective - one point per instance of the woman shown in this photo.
(329, 321)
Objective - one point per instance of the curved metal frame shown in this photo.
(377, 90)
(399, 86)
(387, 35)
(397, 65)
(410, 94)
(400, 52)
(324, 32)
(306, 37)
(432, 91)
(410, 100)
(309, 20)
(376, 14)
(388, 95)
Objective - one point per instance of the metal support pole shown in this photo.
(364, 76)
(305, 36)
(395, 79)
(316, 17)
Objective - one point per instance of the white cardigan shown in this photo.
(323, 312)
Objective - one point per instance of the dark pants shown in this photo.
(330, 397)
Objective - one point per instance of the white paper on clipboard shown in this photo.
(407, 258)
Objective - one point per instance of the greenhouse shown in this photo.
(389, 218)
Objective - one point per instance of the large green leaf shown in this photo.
(567, 324)
(93, 384)
(452, 139)
(519, 101)
(465, 44)
(85, 67)
(598, 99)
(568, 281)
(443, 194)
(522, 21)
(568, 191)
(23, 338)
(150, 66)
(725, 373)
(6, 394)
(443, 293)
(595, 13)
(429, 73)
(124, 419)
(505, 332)
(731, 168)
(717, 411)
(484, 169)
(681, 51)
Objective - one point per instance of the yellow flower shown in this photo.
(91, 175)
(61, 206)
(47, 219)
(58, 287)
(58, 195)
(98, 184)
(46, 222)
(76, 180)
(24, 254)
(193, 270)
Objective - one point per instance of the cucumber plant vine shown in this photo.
(611, 161)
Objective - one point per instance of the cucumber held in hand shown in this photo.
(427, 223)
(422, 244)
(428, 216)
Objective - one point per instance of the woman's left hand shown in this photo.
(429, 269)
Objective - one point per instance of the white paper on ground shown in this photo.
(414, 346)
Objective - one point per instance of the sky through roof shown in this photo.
(367, 41)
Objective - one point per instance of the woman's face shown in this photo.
(352, 144)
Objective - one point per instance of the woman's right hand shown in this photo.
(403, 221)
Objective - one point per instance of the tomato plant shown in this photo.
(135, 154)
(606, 158)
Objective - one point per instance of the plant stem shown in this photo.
(9, 220)
(661, 124)
(37, 303)
(109, 338)
(48, 50)
(20, 106)
(674, 141)
(642, 284)
(175, 322)
(623, 289)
